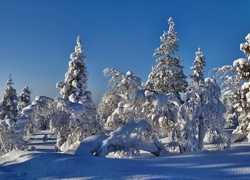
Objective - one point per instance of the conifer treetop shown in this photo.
(9, 81)
(169, 40)
(198, 67)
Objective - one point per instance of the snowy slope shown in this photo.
(46, 164)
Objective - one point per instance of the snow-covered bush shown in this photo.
(160, 110)
(42, 107)
(115, 108)
(6, 136)
(127, 140)
(168, 76)
(69, 125)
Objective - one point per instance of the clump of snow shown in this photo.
(10, 122)
(77, 108)
(27, 111)
(90, 145)
(240, 62)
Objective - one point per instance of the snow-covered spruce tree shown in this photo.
(9, 129)
(24, 99)
(243, 69)
(167, 76)
(201, 112)
(115, 108)
(9, 102)
(74, 89)
(74, 86)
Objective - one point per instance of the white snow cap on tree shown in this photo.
(76, 79)
(245, 47)
(243, 65)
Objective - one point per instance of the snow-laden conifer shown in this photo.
(201, 113)
(168, 76)
(74, 90)
(24, 99)
(9, 102)
(11, 136)
(74, 87)
(242, 66)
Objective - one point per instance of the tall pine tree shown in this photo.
(83, 121)
(168, 76)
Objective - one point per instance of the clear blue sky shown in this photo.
(37, 37)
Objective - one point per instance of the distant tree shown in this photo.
(167, 76)
(11, 136)
(24, 99)
(198, 67)
(230, 84)
(41, 116)
(9, 102)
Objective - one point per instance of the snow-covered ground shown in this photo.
(47, 164)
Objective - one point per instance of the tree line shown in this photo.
(188, 114)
